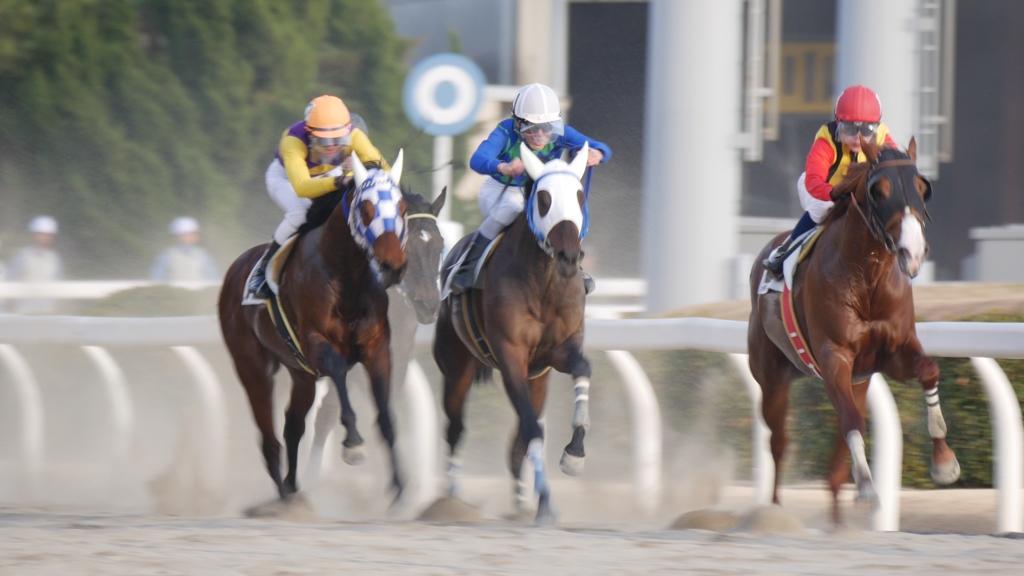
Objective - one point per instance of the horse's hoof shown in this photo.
(545, 514)
(571, 465)
(945, 474)
(353, 456)
(866, 496)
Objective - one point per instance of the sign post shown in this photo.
(441, 96)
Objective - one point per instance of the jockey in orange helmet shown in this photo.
(308, 164)
(858, 114)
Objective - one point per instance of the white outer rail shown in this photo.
(30, 404)
(987, 340)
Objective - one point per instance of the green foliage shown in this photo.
(117, 115)
(154, 302)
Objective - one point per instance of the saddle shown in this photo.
(470, 303)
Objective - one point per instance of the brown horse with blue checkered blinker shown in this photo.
(854, 315)
(333, 296)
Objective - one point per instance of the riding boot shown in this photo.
(463, 279)
(774, 264)
(259, 286)
(588, 283)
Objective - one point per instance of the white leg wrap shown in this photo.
(454, 474)
(535, 452)
(936, 423)
(861, 471)
(581, 413)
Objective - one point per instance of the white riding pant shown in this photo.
(818, 209)
(500, 205)
(283, 194)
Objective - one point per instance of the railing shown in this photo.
(982, 341)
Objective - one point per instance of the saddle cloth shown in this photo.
(804, 245)
(274, 270)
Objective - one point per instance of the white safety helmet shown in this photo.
(43, 225)
(536, 106)
(184, 225)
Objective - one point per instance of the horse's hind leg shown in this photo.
(303, 394)
(256, 371)
(839, 465)
(326, 358)
(774, 373)
(911, 362)
(572, 361)
(458, 368)
(376, 358)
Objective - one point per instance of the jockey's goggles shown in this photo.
(556, 127)
(320, 141)
(865, 129)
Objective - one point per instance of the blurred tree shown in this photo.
(117, 115)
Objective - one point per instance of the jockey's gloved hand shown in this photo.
(341, 182)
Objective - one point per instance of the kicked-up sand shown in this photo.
(796, 539)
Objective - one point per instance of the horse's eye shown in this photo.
(543, 202)
(882, 189)
(580, 198)
(401, 207)
(367, 212)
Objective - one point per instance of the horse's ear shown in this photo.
(579, 163)
(438, 203)
(358, 171)
(869, 148)
(534, 167)
(912, 149)
(396, 168)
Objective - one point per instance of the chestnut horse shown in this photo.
(530, 313)
(854, 305)
(338, 308)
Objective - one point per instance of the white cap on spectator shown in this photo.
(184, 225)
(43, 225)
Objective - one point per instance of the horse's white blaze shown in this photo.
(424, 235)
(912, 240)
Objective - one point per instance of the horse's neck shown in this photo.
(337, 246)
(863, 257)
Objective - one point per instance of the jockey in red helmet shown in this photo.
(858, 113)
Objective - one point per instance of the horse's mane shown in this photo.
(323, 206)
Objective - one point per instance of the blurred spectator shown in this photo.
(186, 260)
(37, 263)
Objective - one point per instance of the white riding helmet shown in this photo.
(183, 225)
(537, 104)
(43, 225)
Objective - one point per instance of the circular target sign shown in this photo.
(442, 94)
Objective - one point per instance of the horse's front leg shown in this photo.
(513, 362)
(837, 370)
(911, 362)
(376, 357)
(326, 359)
(569, 359)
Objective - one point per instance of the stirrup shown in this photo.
(588, 283)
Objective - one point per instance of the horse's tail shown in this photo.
(483, 374)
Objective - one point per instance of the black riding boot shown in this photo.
(588, 283)
(259, 284)
(774, 264)
(463, 279)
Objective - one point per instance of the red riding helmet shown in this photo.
(859, 104)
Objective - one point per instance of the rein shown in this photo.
(875, 225)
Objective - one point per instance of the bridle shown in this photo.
(875, 224)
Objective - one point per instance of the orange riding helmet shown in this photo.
(859, 104)
(328, 117)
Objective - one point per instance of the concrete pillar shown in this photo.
(542, 43)
(692, 167)
(876, 45)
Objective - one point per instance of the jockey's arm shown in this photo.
(573, 140)
(293, 154)
(819, 160)
(365, 150)
(487, 156)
